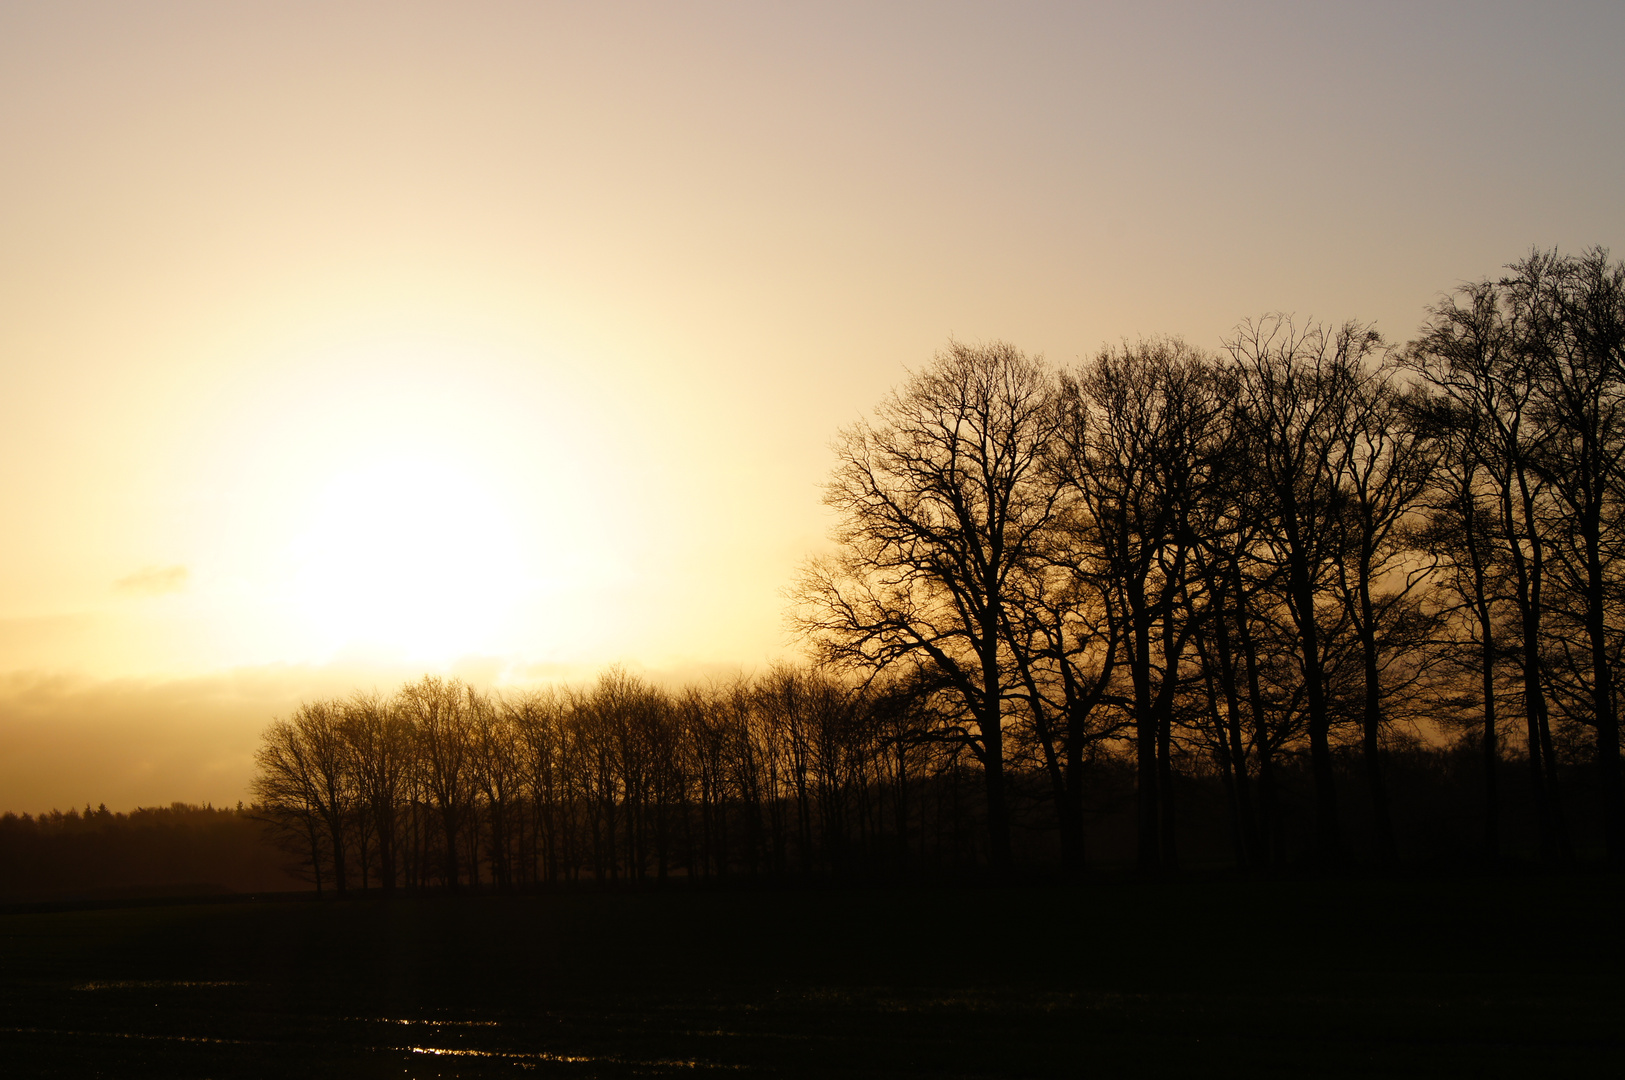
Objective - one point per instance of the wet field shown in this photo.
(1217, 978)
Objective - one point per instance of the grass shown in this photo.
(1225, 977)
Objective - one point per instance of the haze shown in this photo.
(344, 343)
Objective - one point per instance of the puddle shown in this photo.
(422, 1023)
(570, 1059)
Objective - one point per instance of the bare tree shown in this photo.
(286, 788)
(1474, 355)
(319, 730)
(1386, 455)
(1470, 574)
(496, 747)
(1237, 586)
(379, 744)
(538, 718)
(436, 708)
(1576, 312)
(1065, 635)
(941, 502)
(1293, 393)
(1142, 426)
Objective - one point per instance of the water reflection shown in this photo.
(150, 984)
(571, 1059)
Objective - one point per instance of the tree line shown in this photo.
(1289, 549)
(1275, 580)
(442, 784)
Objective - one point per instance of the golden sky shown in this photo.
(342, 341)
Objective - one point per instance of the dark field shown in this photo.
(1507, 977)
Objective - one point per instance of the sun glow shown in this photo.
(409, 556)
(410, 495)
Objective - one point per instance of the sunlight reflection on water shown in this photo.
(433, 1051)
(425, 1023)
(571, 1059)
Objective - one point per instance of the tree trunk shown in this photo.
(1328, 832)
(1371, 720)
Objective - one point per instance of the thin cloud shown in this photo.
(154, 581)
(69, 739)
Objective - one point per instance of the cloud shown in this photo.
(154, 581)
(69, 739)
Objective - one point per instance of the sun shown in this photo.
(409, 556)
(410, 499)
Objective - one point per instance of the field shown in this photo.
(1503, 977)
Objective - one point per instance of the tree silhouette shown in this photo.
(942, 502)
(1163, 598)
(1143, 424)
(1293, 394)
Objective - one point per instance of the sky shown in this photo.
(342, 342)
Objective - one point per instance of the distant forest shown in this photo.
(1317, 599)
(152, 851)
